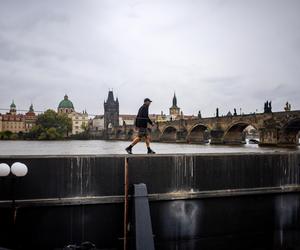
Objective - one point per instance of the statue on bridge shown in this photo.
(234, 112)
(199, 114)
(268, 107)
(287, 106)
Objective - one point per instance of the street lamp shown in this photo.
(4, 169)
(19, 169)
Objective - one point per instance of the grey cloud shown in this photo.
(225, 53)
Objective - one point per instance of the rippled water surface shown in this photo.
(117, 147)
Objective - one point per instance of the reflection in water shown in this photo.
(117, 147)
(287, 209)
(181, 220)
(185, 215)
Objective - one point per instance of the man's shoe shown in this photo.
(129, 150)
(150, 151)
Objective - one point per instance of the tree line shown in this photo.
(49, 126)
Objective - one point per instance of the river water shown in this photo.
(92, 147)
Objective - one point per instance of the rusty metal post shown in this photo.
(126, 204)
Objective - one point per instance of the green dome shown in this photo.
(66, 103)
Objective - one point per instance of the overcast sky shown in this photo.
(213, 53)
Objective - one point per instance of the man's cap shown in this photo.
(147, 100)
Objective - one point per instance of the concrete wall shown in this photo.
(195, 200)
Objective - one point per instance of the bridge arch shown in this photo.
(198, 134)
(182, 135)
(169, 134)
(235, 133)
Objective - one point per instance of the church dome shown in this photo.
(66, 103)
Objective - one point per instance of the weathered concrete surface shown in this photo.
(195, 200)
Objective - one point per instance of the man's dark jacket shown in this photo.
(142, 118)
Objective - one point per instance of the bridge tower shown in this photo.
(111, 111)
(174, 110)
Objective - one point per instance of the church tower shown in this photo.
(174, 110)
(111, 111)
(13, 108)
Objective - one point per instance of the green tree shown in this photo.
(20, 135)
(42, 136)
(14, 137)
(6, 135)
(51, 126)
(35, 132)
(52, 134)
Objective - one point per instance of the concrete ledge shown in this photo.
(152, 197)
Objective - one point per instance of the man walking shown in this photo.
(141, 122)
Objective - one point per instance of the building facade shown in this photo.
(126, 119)
(30, 119)
(162, 117)
(79, 120)
(15, 123)
(97, 123)
(111, 111)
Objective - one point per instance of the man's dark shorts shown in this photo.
(143, 132)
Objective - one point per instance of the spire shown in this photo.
(13, 108)
(31, 108)
(174, 100)
(66, 97)
(13, 105)
(110, 97)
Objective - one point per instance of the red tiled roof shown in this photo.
(10, 117)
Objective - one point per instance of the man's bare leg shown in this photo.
(134, 142)
(147, 140)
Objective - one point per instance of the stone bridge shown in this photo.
(278, 128)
